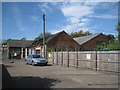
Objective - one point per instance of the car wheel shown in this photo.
(26, 62)
(45, 64)
(33, 63)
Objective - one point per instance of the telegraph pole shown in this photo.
(44, 34)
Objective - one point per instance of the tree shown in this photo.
(23, 38)
(47, 34)
(79, 33)
(110, 37)
(118, 29)
(101, 46)
(4, 42)
(87, 33)
(114, 46)
(37, 38)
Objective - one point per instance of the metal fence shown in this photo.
(98, 60)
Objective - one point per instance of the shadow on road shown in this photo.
(44, 65)
(25, 81)
(7, 81)
(34, 82)
(8, 66)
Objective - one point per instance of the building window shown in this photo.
(100, 42)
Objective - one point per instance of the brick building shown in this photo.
(19, 48)
(55, 42)
(91, 41)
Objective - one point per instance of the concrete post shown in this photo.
(52, 57)
(29, 51)
(34, 50)
(21, 53)
(40, 50)
(45, 52)
(57, 58)
(77, 59)
(8, 52)
(25, 52)
(68, 60)
(62, 58)
(119, 64)
(96, 60)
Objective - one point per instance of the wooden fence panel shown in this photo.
(65, 58)
(72, 58)
(98, 60)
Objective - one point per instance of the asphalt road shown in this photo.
(56, 76)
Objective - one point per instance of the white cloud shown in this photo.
(78, 11)
(73, 26)
(75, 13)
(45, 7)
(60, 0)
(69, 28)
(78, 14)
(73, 20)
(34, 18)
(84, 19)
(106, 5)
(105, 16)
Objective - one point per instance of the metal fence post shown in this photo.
(52, 57)
(68, 59)
(61, 58)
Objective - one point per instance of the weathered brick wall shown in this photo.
(92, 43)
(62, 40)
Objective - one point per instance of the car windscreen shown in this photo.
(37, 56)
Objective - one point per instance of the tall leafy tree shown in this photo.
(47, 34)
(4, 41)
(23, 38)
(118, 29)
(37, 38)
(110, 37)
(79, 33)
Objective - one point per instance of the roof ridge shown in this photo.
(87, 35)
(19, 40)
(83, 39)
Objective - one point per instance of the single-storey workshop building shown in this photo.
(55, 42)
(91, 41)
(19, 48)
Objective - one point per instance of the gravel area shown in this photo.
(56, 76)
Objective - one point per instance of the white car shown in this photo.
(35, 59)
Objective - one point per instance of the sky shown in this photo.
(25, 19)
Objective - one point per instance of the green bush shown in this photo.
(49, 50)
(111, 46)
(114, 46)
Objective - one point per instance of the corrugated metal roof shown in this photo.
(84, 39)
(19, 43)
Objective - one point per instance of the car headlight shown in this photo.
(35, 61)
